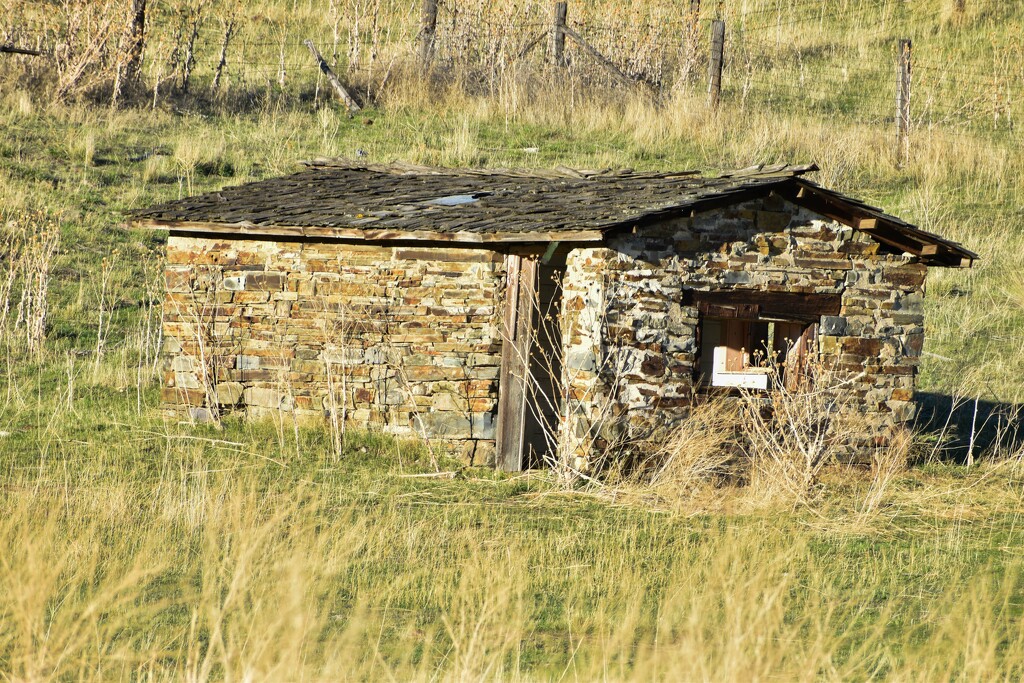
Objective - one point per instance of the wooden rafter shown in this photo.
(872, 221)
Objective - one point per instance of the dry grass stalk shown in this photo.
(29, 245)
(107, 270)
(336, 332)
(696, 452)
(195, 370)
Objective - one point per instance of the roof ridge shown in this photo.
(399, 167)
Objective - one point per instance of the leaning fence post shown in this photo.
(715, 63)
(903, 103)
(428, 30)
(229, 31)
(350, 104)
(558, 34)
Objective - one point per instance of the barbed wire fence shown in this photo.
(783, 57)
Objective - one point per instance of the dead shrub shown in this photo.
(791, 435)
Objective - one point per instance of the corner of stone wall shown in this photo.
(876, 342)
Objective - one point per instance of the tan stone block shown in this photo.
(182, 397)
(186, 380)
(265, 281)
(902, 411)
(229, 393)
(448, 402)
(178, 279)
(484, 455)
(902, 394)
(481, 405)
(263, 397)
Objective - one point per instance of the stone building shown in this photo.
(514, 315)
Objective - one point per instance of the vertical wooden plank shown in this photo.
(801, 354)
(736, 337)
(715, 62)
(508, 337)
(513, 392)
(512, 264)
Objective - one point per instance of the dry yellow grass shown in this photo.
(212, 569)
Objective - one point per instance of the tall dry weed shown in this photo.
(886, 464)
(29, 245)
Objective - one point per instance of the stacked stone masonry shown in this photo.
(631, 344)
(396, 338)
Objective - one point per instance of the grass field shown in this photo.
(135, 548)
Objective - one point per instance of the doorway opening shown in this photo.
(529, 389)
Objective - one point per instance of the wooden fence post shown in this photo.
(136, 40)
(715, 63)
(903, 103)
(558, 34)
(428, 31)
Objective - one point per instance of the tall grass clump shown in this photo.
(29, 242)
(701, 450)
(886, 465)
(182, 557)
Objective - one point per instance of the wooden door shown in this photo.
(517, 341)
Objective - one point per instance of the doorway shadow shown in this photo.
(966, 426)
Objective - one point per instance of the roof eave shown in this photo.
(247, 230)
(882, 227)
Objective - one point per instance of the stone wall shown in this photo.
(631, 343)
(400, 338)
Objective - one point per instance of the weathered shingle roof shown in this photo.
(331, 198)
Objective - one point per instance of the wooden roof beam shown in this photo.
(249, 231)
(897, 235)
(880, 229)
